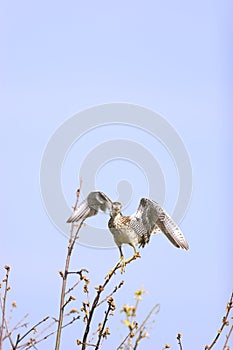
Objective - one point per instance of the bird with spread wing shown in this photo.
(134, 230)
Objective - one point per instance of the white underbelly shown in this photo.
(124, 236)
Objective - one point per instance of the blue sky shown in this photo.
(170, 57)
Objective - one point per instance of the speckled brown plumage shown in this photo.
(136, 229)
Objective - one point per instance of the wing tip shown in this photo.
(73, 218)
(70, 220)
(184, 246)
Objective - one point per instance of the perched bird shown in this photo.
(136, 229)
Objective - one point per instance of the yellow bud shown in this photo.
(73, 311)
(127, 323)
(107, 332)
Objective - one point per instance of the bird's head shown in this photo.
(116, 208)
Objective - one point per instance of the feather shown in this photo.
(151, 218)
(94, 202)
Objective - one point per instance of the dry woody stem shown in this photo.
(3, 306)
(64, 275)
(95, 303)
(225, 322)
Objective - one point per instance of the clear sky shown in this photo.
(171, 57)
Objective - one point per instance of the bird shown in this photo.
(135, 229)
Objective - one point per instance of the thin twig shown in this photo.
(80, 273)
(179, 335)
(111, 294)
(51, 333)
(40, 334)
(72, 241)
(227, 338)
(20, 324)
(20, 338)
(73, 287)
(132, 321)
(126, 338)
(157, 306)
(8, 332)
(139, 338)
(6, 280)
(78, 194)
(64, 281)
(224, 323)
(17, 326)
(93, 307)
(79, 342)
(100, 289)
(102, 331)
(37, 341)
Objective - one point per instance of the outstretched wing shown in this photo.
(94, 202)
(151, 217)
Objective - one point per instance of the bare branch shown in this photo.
(126, 338)
(20, 324)
(72, 240)
(79, 342)
(95, 303)
(179, 335)
(227, 338)
(80, 273)
(139, 338)
(155, 309)
(111, 294)
(35, 341)
(7, 288)
(224, 323)
(103, 332)
(32, 329)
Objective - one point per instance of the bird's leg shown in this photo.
(135, 256)
(121, 260)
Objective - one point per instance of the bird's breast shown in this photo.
(119, 222)
(122, 231)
